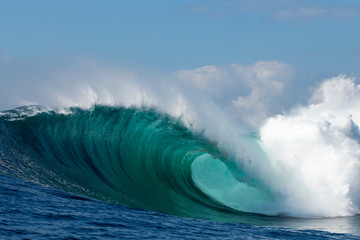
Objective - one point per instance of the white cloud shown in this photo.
(267, 82)
(194, 9)
(211, 79)
(280, 10)
(263, 80)
(307, 12)
(301, 14)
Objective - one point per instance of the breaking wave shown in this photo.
(304, 163)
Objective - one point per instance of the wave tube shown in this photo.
(131, 156)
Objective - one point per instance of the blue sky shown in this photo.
(314, 36)
(311, 40)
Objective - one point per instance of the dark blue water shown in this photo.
(30, 211)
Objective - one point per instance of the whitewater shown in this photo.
(159, 149)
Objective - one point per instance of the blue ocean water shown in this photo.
(30, 211)
(115, 173)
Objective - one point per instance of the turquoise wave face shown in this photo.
(130, 156)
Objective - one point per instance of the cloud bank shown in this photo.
(251, 92)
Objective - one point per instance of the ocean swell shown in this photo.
(131, 156)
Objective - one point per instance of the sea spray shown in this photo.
(315, 154)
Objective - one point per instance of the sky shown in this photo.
(247, 48)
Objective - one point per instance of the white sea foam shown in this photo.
(314, 152)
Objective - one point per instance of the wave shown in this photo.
(304, 163)
(130, 156)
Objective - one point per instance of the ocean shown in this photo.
(108, 172)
